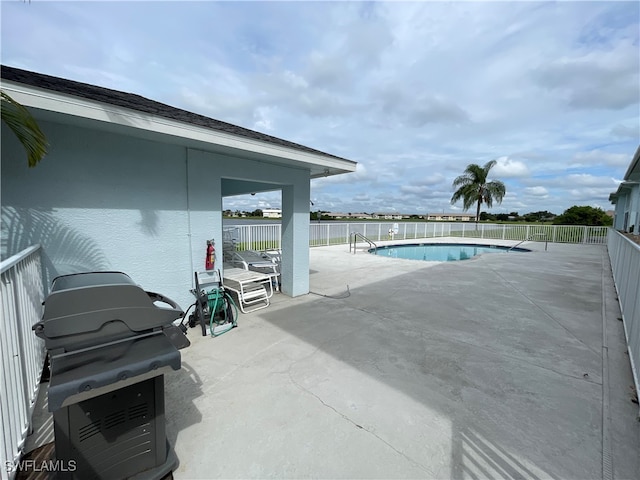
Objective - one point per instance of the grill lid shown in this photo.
(85, 309)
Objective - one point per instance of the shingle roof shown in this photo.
(633, 172)
(142, 104)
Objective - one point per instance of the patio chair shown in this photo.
(274, 255)
(229, 242)
(267, 263)
(252, 289)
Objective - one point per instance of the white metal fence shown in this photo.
(266, 237)
(21, 352)
(625, 265)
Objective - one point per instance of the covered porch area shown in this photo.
(134, 185)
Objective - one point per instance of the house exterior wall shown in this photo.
(101, 201)
(627, 213)
(634, 209)
(462, 217)
(627, 199)
(106, 201)
(295, 185)
(618, 218)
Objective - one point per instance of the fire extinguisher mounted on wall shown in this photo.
(210, 259)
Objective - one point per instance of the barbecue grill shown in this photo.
(109, 344)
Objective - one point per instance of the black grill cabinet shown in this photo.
(109, 345)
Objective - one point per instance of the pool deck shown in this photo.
(486, 368)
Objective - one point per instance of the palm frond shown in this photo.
(489, 165)
(462, 180)
(25, 128)
(496, 190)
(476, 172)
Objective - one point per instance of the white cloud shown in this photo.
(411, 110)
(600, 79)
(362, 197)
(263, 119)
(294, 80)
(428, 181)
(359, 176)
(599, 157)
(422, 191)
(589, 194)
(509, 168)
(549, 89)
(627, 131)
(537, 191)
(588, 180)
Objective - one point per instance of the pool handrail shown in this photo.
(355, 235)
(530, 237)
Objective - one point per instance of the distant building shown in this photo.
(371, 216)
(359, 216)
(391, 216)
(272, 213)
(451, 217)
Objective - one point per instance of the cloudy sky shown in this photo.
(412, 91)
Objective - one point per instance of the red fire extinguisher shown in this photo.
(211, 255)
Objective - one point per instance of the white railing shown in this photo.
(21, 352)
(256, 237)
(625, 265)
(266, 237)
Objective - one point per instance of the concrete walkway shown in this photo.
(487, 368)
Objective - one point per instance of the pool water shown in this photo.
(441, 252)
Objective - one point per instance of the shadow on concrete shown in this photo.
(473, 456)
(186, 387)
(482, 343)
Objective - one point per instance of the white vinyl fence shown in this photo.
(625, 265)
(21, 352)
(267, 237)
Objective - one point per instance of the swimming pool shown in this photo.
(441, 252)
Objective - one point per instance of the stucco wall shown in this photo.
(618, 218)
(634, 209)
(110, 201)
(295, 185)
(628, 208)
(102, 201)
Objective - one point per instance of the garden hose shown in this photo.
(220, 294)
(234, 306)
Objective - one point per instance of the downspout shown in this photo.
(186, 163)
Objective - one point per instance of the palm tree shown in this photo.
(25, 127)
(473, 187)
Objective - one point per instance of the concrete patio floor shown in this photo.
(486, 368)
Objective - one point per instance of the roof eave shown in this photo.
(51, 101)
(623, 187)
(634, 167)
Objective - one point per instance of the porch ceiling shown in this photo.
(231, 187)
